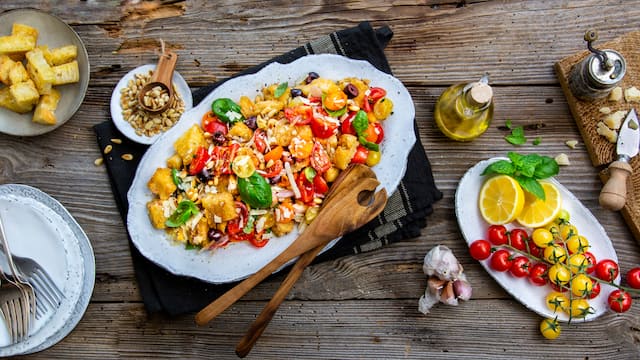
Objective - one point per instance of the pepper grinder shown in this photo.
(595, 76)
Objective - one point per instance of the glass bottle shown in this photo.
(464, 111)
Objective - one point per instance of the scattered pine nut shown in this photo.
(127, 157)
(98, 161)
(116, 141)
(571, 143)
(107, 149)
(562, 159)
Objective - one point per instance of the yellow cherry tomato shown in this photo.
(373, 158)
(578, 244)
(559, 274)
(555, 253)
(335, 100)
(578, 263)
(557, 301)
(383, 108)
(581, 285)
(542, 237)
(579, 308)
(567, 231)
(554, 228)
(550, 328)
(243, 166)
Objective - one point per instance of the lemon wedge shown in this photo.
(537, 212)
(501, 199)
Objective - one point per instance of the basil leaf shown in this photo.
(528, 164)
(500, 167)
(531, 185)
(537, 141)
(368, 144)
(281, 89)
(190, 246)
(336, 113)
(183, 212)
(227, 110)
(517, 136)
(508, 124)
(176, 179)
(547, 167)
(255, 191)
(360, 122)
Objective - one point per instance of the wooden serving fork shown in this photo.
(351, 203)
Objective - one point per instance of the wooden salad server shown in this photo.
(351, 203)
(262, 321)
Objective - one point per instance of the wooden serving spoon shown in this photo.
(351, 203)
(262, 321)
(161, 77)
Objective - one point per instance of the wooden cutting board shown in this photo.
(587, 115)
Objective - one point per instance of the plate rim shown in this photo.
(84, 85)
(361, 65)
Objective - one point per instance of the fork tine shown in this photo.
(51, 284)
(44, 294)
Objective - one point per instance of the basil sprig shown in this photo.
(527, 170)
(360, 124)
(185, 210)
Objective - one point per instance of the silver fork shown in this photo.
(15, 310)
(29, 273)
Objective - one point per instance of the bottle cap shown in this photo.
(481, 93)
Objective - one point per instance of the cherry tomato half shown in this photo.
(319, 158)
(497, 235)
(501, 260)
(199, 161)
(360, 157)
(346, 126)
(619, 301)
(323, 127)
(633, 278)
(260, 140)
(299, 115)
(212, 125)
(480, 249)
(607, 270)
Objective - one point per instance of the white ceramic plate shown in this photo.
(474, 227)
(39, 227)
(55, 33)
(239, 260)
(116, 109)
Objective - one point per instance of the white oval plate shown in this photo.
(55, 33)
(474, 227)
(116, 109)
(38, 226)
(239, 260)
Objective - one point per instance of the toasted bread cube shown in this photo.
(40, 71)
(24, 93)
(45, 112)
(6, 64)
(18, 74)
(221, 205)
(187, 144)
(66, 73)
(156, 213)
(7, 102)
(161, 183)
(174, 162)
(61, 55)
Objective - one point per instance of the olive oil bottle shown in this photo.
(464, 111)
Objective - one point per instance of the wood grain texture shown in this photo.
(354, 307)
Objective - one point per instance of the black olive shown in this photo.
(251, 123)
(312, 76)
(351, 91)
(296, 92)
(204, 175)
(218, 138)
(214, 235)
(274, 180)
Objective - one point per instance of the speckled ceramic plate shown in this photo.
(240, 259)
(39, 227)
(182, 89)
(52, 32)
(474, 227)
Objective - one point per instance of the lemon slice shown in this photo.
(536, 212)
(501, 199)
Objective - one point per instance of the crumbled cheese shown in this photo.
(616, 94)
(562, 159)
(217, 219)
(294, 186)
(632, 94)
(603, 130)
(605, 110)
(233, 184)
(571, 143)
(233, 116)
(613, 121)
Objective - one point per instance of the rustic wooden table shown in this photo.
(361, 306)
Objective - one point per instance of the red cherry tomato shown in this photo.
(633, 278)
(534, 249)
(520, 266)
(346, 127)
(320, 161)
(199, 161)
(497, 235)
(299, 115)
(538, 274)
(501, 260)
(592, 261)
(557, 288)
(258, 240)
(260, 140)
(235, 226)
(619, 301)
(323, 127)
(360, 157)
(595, 289)
(305, 187)
(375, 94)
(518, 239)
(607, 270)
(480, 249)
(274, 170)
(212, 125)
(378, 130)
(320, 184)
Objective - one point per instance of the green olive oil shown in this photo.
(464, 111)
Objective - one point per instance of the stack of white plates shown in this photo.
(39, 227)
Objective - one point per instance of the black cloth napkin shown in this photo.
(402, 218)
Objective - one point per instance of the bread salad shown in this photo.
(255, 169)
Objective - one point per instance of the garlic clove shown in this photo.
(448, 296)
(462, 290)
